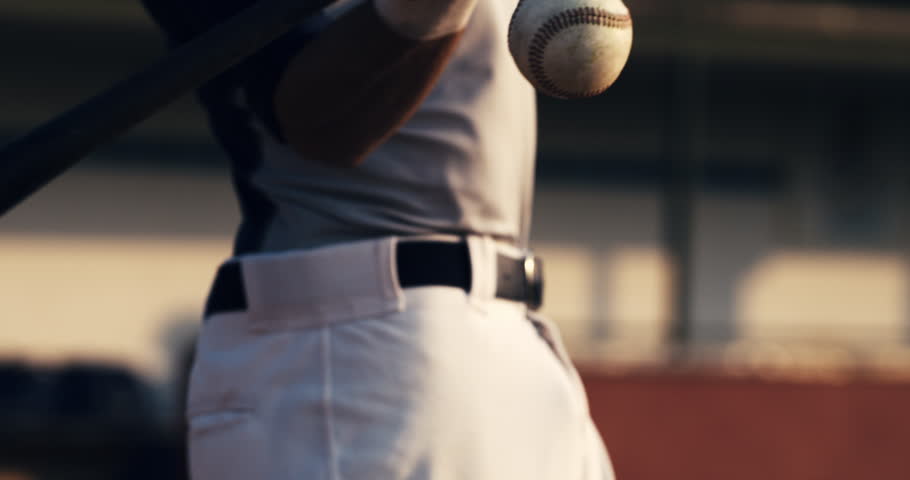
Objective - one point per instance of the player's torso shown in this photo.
(463, 163)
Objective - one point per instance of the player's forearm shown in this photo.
(355, 85)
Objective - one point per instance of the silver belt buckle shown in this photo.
(533, 280)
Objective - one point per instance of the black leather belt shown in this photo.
(420, 264)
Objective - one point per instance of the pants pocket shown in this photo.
(549, 333)
(227, 445)
(597, 463)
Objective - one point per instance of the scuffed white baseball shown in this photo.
(571, 48)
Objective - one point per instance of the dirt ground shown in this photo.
(706, 426)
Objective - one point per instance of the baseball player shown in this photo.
(377, 318)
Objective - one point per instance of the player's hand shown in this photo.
(425, 19)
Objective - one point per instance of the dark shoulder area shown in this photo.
(254, 80)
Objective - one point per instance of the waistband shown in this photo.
(366, 278)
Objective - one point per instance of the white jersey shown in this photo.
(464, 163)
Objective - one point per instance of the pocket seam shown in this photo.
(232, 417)
(212, 405)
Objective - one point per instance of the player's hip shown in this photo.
(443, 384)
(394, 302)
(368, 379)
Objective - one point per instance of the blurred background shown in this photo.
(725, 230)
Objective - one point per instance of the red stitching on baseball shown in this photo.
(558, 23)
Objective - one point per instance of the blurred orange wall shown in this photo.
(704, 426)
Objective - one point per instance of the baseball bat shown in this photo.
(31, 161)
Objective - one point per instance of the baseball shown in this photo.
(571, 48)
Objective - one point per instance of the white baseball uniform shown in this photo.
(324, 355)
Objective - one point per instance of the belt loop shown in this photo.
(483, 252)
(387, 255)
(312, 288)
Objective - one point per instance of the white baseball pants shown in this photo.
(335, 373)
